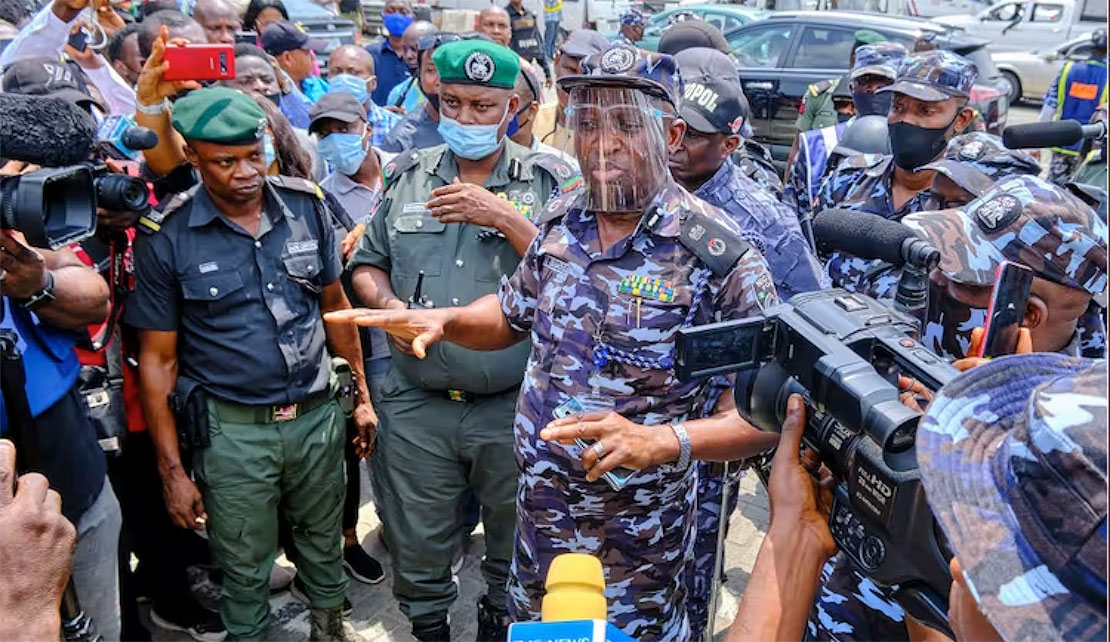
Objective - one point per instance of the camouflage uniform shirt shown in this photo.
(567, 294)
(863, 183)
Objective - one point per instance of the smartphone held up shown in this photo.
(200, 62)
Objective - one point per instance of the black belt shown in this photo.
(465, 396)
(250, 414)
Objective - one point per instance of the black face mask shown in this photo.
(274, 98)
(842, 117)
(877, 104)
(914, 146)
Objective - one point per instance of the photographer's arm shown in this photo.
(784, 582)
(150, 91)
(80, 294)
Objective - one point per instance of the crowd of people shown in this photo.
(416, 263)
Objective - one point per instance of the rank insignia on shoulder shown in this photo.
(298, 184)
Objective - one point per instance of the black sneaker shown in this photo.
(297, 591)
(493, 623)
(201, 624)
(438, 632)
(361, 566)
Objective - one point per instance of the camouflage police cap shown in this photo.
(625, 66)
(219, 115)
(1013, 459)
(633, 17)
(879, 59)
(1026, 220)
(935, 75)
(476, 62)
(974, 161)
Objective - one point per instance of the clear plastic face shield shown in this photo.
(620, 141)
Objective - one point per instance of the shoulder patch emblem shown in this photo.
(715, 245)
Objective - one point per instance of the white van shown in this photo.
(1015, 25)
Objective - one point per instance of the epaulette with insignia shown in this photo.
(151, 222)
(555, 208)
(298, 184)
(567, 178)
(716, 245)
(400, 164)
(822, 86)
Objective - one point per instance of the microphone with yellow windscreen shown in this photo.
(574, 606)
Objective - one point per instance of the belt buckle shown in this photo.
(456, 395)
(285, 413)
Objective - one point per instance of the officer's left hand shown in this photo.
(350, 242)
(23, 269)
(468, 203)
(624, 443)
(1024, 346)
(366, 420)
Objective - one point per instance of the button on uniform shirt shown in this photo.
(246, 309)
(793, 265)
(566, 293)
(864, 183)
(461, 262)
(389, 68)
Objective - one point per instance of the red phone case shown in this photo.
(200, 62)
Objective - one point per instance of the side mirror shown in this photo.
(1052, 57)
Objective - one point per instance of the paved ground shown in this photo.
(377, 617)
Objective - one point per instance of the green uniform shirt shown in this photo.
(818, 110)
(461, 262)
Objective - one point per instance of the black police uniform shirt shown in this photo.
(246, 309)
(416, 130)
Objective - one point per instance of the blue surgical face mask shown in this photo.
(396, 23)
(351, 84)
(471, 142)
(268, 149)
(345, 152)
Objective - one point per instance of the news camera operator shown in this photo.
(1004, 449)
(49, 297)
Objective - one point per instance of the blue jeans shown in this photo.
(550, 33)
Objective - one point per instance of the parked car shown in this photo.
(324, 25)
(781, 55)
(1029, 74)
(1019, 24)
(723, 16)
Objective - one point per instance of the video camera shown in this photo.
(56, 206)
(843, 353)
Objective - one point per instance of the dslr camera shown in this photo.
(843, 353)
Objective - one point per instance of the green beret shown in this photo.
(219, 115)
(477, 62)
(868, 37)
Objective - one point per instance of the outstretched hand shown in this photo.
(419, 328)
(152, 87)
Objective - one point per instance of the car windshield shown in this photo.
(760, 46)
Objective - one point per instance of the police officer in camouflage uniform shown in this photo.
(1013, 460)
(1021, 219)
(929, 107)
(454, 220)
(874, 66)
(231, 281)
(712, 110)
(631, 29)
(616, 269)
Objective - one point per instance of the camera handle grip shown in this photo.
(925, 605)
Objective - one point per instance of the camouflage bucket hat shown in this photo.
(880, 59)
(934, 76)
(1026, 220)
(975, 161)
(1013, 460)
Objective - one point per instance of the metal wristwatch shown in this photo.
(42, 297)
(683, 447)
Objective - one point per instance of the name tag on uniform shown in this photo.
(414, 208)
(302, 247)
(205, 268)
(558, 266)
